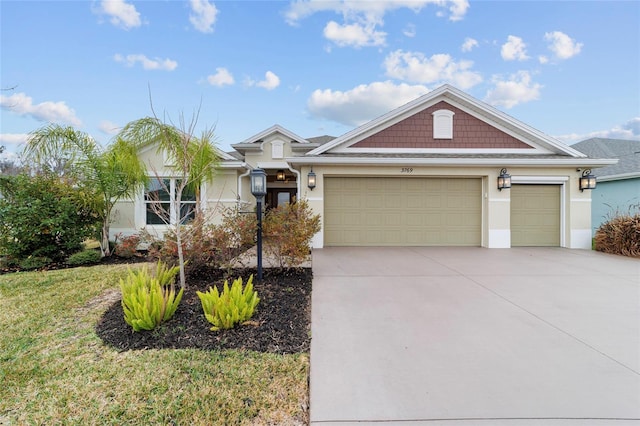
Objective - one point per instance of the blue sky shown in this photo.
(569, 69)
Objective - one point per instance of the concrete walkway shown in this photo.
(471, 336)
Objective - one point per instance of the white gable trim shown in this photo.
(276, 128)
(490, 115)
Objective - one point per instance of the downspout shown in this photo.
(246, 166)
(297, 173)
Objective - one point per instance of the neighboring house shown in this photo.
(424, 174)
(618, 188)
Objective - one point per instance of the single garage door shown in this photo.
(535, 215)
(387, 211)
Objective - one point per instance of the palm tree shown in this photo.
(113, 173)
(193, 161)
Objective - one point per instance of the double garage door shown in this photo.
(387, 211)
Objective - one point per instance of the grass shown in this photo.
(55, 370)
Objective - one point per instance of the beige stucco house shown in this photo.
(424, 174)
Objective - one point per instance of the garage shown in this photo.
(394, 211)
(535, 215)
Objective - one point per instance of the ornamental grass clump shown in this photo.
(620, 235)
(233, 306)
(149, 300)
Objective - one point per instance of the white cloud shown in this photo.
(409, 31)
(514, 49)
(370, 11)
(562, 46)
(543, 59)
(416, 68)
(469, 44)
(362, 18)
(13, 138)
(203, 16)
(121, 13)
(362, 103)
(222, 77)
(270, 82)
(147, 64)
(629, 130)
(22, 104)
(516, 90)
(109, 127)
(355, 35)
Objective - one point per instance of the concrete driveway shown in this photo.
(472, 336)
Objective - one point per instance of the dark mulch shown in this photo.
(283, 318)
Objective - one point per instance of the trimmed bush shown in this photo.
(147, 300)
(34, 262)
(233, 306)
(288, 231)
(620, 235)
(127, 247)
(85, 257)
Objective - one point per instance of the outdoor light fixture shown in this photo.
(280, 176)
(504, 180)
(311, 180)
(259, 190)
(587, 181)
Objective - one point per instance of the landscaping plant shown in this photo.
(233, 306)
(149, 300)
(127, 247)
(288, 230)
(620, 235)
(44, 216)
(85, 257)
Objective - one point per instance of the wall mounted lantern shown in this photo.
(504, 180)
(311, 180)
(280, 176)
(587, 181)
(259, 190)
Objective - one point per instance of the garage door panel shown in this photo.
(402, 211)
(535, 215)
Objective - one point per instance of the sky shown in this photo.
(570, 69)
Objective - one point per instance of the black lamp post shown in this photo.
(259, 190)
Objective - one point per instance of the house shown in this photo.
(424, 174)
(618, 189)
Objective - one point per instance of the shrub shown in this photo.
(288, 230)
(44, 217)
(233, 306)
(208, 246)
(34, 262)
(85, 257)
(149, 300)
(127, 247)
(620, 235)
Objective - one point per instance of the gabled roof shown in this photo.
(544, 143)
(626, 151)
(257, 139)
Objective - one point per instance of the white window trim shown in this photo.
(173, 214)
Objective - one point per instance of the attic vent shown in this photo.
(277, 149)
(443, 124)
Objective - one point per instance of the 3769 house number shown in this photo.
(406, 170)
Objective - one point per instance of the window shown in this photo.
(159, 197)
(443, 124)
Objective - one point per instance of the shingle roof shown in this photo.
(626, 151)
(321, 140)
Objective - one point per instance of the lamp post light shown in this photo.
(259, 190)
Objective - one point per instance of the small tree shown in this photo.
(115, 172)
(193, 161)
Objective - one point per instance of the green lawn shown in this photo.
(55, 370)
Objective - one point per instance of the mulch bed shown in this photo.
(282, 318)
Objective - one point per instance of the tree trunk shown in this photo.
(104, 245)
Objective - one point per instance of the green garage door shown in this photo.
(535, 215)
(386, 211)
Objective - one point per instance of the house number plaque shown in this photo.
(406, 170)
